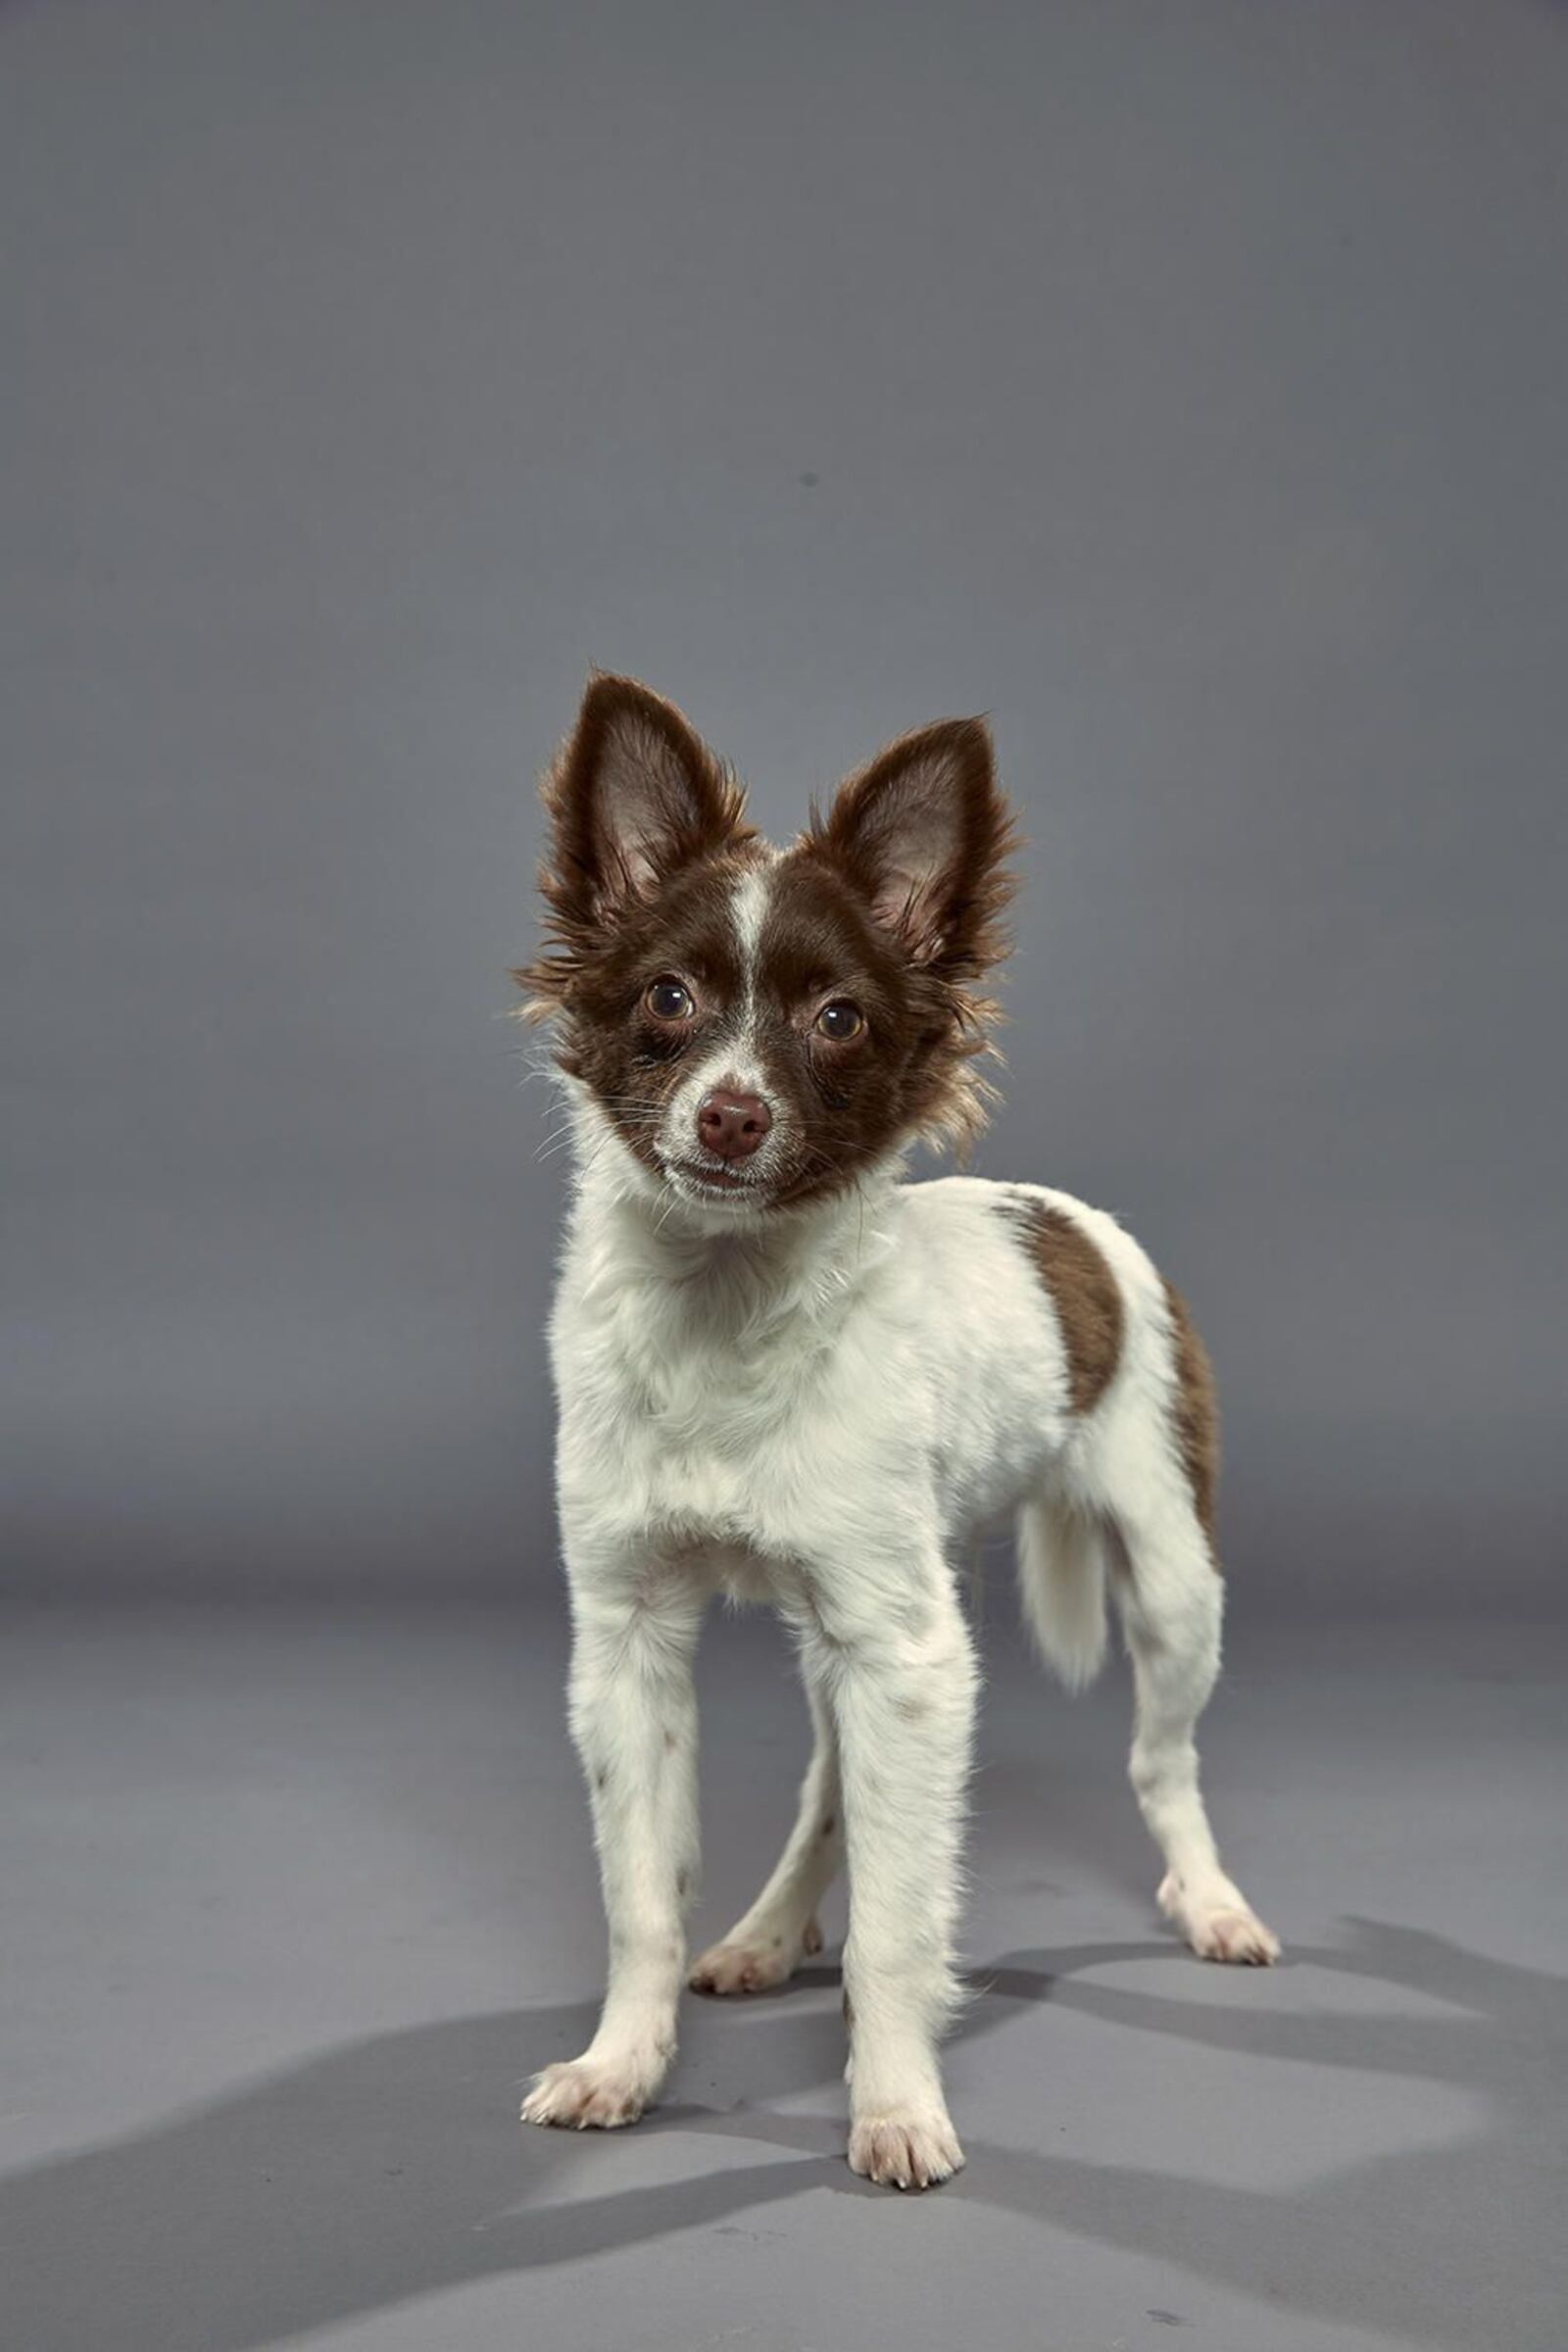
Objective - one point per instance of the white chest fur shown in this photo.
(712, 1389)
(861, 1379)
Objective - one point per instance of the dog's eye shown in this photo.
(841, 1020)
(669, 1000)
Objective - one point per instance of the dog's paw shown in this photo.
(1225, 1928)
(587, 2094)
(743, 1965)
(907, 2147)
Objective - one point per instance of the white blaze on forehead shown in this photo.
(748, 908)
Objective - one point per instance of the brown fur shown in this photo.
(607, 1038)
(852, 1099)
(1084, 1293)
(1197, 1410)
(952, 928)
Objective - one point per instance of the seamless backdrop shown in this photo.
(1184, 387)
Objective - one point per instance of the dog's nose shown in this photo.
(732, 1125)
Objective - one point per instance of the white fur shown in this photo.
(814, 1410)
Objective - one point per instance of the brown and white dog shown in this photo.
(788, 1374)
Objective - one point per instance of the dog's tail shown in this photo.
(1061, 1582)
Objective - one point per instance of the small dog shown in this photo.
(786, 1374)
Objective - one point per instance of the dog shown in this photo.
(787, 1374)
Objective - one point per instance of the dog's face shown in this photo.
(760, 1027)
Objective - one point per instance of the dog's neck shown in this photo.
(805, 1259)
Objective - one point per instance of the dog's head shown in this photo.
(760, 1027)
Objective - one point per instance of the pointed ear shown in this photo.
(634, 794)
(924, 834)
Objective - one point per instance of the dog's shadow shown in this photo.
(394, 2167)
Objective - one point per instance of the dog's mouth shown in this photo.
(717, 1178)
(780, 1188)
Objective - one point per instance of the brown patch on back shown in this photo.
(1195, 1411)
(1084, 1293)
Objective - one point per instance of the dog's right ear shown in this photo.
(633, 795)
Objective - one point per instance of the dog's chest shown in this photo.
(713, 1410)
(684, 1374)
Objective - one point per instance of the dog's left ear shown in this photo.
(924, 834)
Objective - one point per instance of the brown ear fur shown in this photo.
(923, 835)
(633, 794)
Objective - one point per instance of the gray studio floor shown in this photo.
(293, 1901)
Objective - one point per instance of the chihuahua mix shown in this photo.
(787, 1374)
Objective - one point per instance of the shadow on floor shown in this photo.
(394, 2167)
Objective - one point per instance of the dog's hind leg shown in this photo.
(1171, 1605)
(767, 1944)
(1148, 1474)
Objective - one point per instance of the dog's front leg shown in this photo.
(634, 1721)
(903, 1705)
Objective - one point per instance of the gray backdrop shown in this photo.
(1184, 385)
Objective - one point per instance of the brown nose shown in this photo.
(731, 1124)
